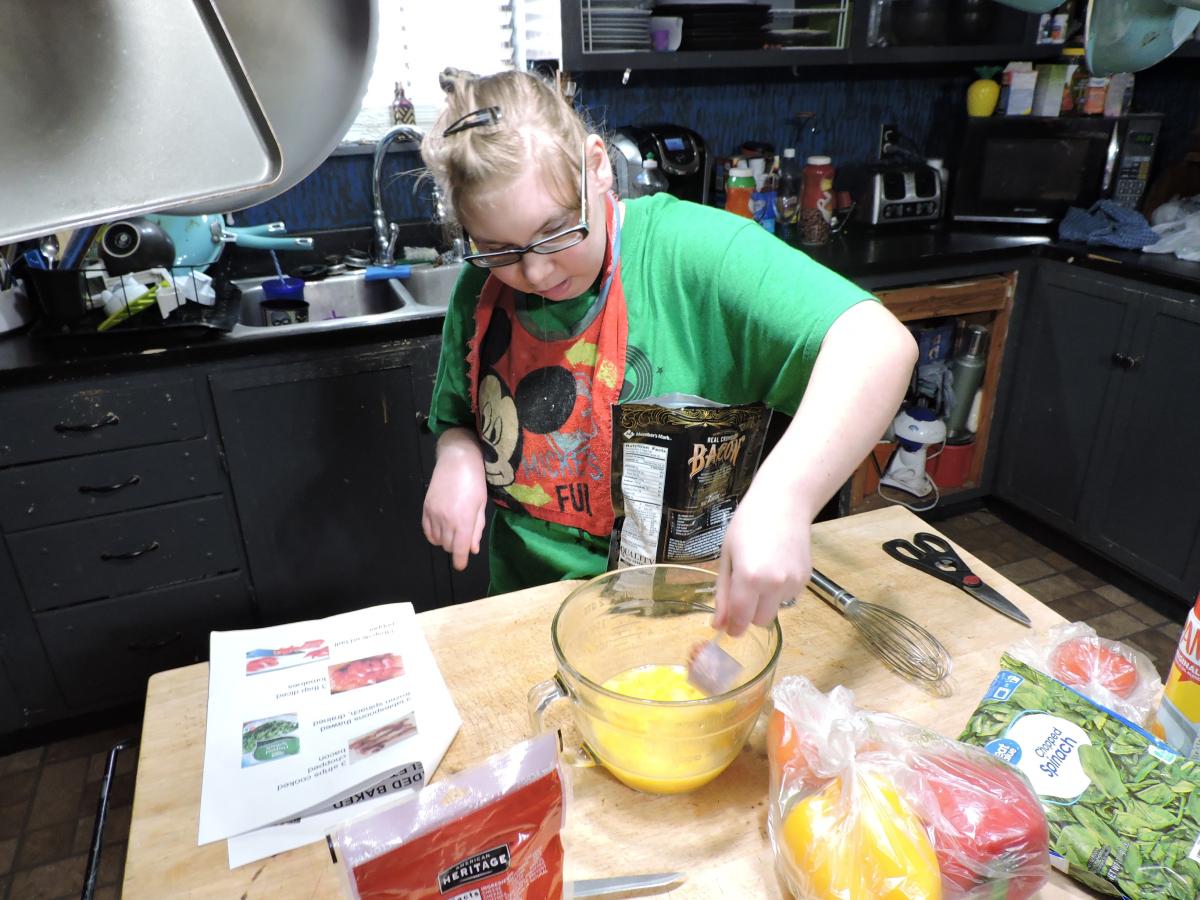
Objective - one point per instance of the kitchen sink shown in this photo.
(336, 302)
(431, 286)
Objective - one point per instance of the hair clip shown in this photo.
(489, 115)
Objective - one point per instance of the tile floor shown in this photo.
(1072, 582)
(48, 800)
(48, 793)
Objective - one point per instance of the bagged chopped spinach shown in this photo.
(680, 465)
(1123, 808)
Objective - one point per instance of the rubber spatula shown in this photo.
(711, 669)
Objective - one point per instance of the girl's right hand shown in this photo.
(456, 502)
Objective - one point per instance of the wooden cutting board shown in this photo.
(493, 650)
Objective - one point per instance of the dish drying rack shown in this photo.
(79, 308)
(622, 26)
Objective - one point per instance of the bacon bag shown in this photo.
(681, 464)
(493, 832)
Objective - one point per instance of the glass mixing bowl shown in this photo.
(640, 624)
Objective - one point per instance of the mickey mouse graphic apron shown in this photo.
(543, 403)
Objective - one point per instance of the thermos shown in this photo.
(967, 369)
(816, 203)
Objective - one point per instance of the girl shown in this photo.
(576, 300)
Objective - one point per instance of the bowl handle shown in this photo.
(541, 697)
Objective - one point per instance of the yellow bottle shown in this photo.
(1178, 721)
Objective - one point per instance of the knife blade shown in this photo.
(996, 601)
(598, 887)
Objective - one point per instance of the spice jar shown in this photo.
(816, 201)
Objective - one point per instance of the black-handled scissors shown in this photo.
(934, 556)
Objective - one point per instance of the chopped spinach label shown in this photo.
(1123, 809)
(1048, 750)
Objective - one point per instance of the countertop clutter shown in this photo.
(863, 255)
(717, 833)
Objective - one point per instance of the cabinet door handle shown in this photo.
(132, 554)
(109, 488)
(110, 418)
(146, 646)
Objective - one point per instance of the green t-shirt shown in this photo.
(717, 307)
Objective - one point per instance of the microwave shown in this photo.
(1030, 169)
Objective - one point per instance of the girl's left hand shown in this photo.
(765, 560)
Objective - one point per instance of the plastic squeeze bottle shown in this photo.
(738, 188)
(1178, 720)
(650, 180)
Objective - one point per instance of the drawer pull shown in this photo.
(1125, 361)
(110, 418)
(146, 646)
(109, 488)
(132, 554)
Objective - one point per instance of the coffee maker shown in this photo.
(680, 152)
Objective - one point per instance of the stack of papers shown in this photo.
(312, 722)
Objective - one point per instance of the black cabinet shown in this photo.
(328, 466)
(1063, 383)
(1104, 420)
(1145, 511)
(29, 694)
(119, 550)
(835, 32)
(141, 511)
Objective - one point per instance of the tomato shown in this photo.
(1082, 661)
(988, 825)
(875, 849)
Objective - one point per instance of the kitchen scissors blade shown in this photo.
(934, 556)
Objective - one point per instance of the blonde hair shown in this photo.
(536, 126)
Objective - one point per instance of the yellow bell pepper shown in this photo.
(870, 846)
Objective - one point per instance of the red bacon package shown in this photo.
(492, 832)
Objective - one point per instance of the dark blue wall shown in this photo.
(727, 108)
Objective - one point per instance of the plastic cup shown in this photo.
(285, 288)
(283, 301)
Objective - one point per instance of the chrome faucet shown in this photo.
(386, 232)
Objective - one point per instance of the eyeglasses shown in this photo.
(561, 240)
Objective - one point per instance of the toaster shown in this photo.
(893, 192)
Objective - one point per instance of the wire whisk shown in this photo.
(902, 644)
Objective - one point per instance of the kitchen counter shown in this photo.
(877, 252)
(717, 834)
(877, 258)
(1162, 269)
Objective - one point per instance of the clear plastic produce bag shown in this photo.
(866, 804)
(1113, 675)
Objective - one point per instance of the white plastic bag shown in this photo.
(1177, 223)
(1110, 674)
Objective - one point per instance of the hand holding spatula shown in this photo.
(710, 668)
